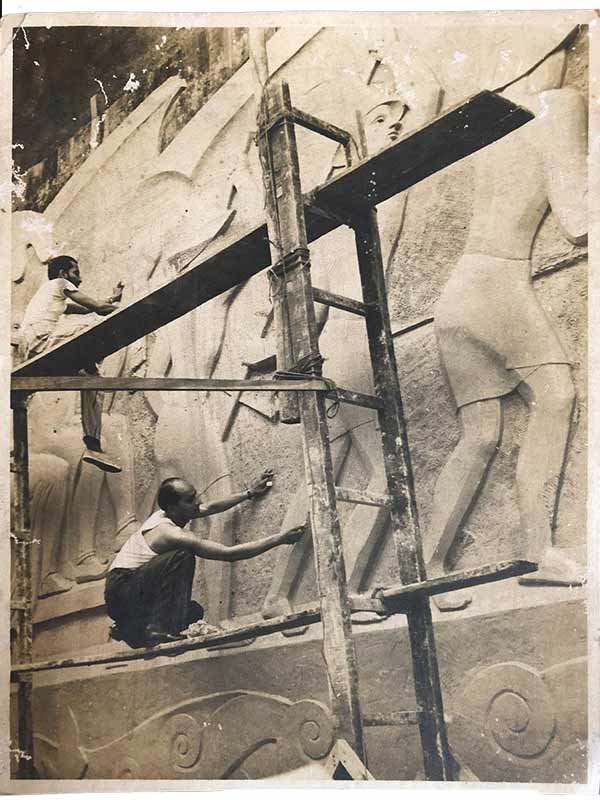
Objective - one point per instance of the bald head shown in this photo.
(172, 490)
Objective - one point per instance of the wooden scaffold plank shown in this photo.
(455, 134)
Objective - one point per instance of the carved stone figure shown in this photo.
(57, 432)
(49, 484)
(387, 115)
(493, 335)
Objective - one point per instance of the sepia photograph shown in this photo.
(296, 368)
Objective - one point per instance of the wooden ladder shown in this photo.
(294, 298)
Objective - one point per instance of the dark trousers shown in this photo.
(158, 593)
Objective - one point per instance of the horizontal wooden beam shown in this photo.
(390, 600)
(235, 258)
(307, 616)
(355, 398)
(45, 383)
(72, 383)
(338, 301)
(396, 597)
(345, 495)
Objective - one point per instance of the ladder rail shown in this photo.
(297, 335)
(437, 759)
(22, 607)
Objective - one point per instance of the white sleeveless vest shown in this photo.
(136, 550)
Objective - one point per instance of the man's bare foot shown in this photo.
(556, 568)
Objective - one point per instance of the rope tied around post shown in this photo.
(311, 364)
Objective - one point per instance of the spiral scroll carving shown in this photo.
(311, 725)
(183, 736)
(512, 704)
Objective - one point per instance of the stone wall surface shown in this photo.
(173, 181)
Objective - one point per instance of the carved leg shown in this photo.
(121, 487)
(82, 524)
(550, 395)
(367, 524)
(458, 486)
(49, 488)
(291, 565)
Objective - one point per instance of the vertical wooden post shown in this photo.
(21, 528)
(438, 762)
(294, 306)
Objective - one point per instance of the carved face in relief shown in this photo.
(384, 123)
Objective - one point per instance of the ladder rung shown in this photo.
(361, 498)
(338, 301)
(320, 126)
(19, 605)
(395, 596)
(355, 398)
(392, 718)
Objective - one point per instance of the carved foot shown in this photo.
(278, 606)
(54, 583)
(91, 568)
(556, 568)
(453, 601)
(101, 460)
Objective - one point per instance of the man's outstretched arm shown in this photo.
(238, 552)
(261, 487)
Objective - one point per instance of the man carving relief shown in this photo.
(388, 114)
(493, 335)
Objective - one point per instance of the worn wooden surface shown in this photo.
(345, 495)
(294, 309)
(396, 598)
(127, 383)
(306, 616)
(21, 531)
(437, 759)
(457, 132)
(339, 301)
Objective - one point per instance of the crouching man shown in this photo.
(149, 585)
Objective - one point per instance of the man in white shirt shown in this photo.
(43, 327)
(149, 585)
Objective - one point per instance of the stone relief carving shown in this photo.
(493, 335)
(195, 222)
(235, 734)
(509, 719)
(55, 427)
(391, 105)
(49, 484)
